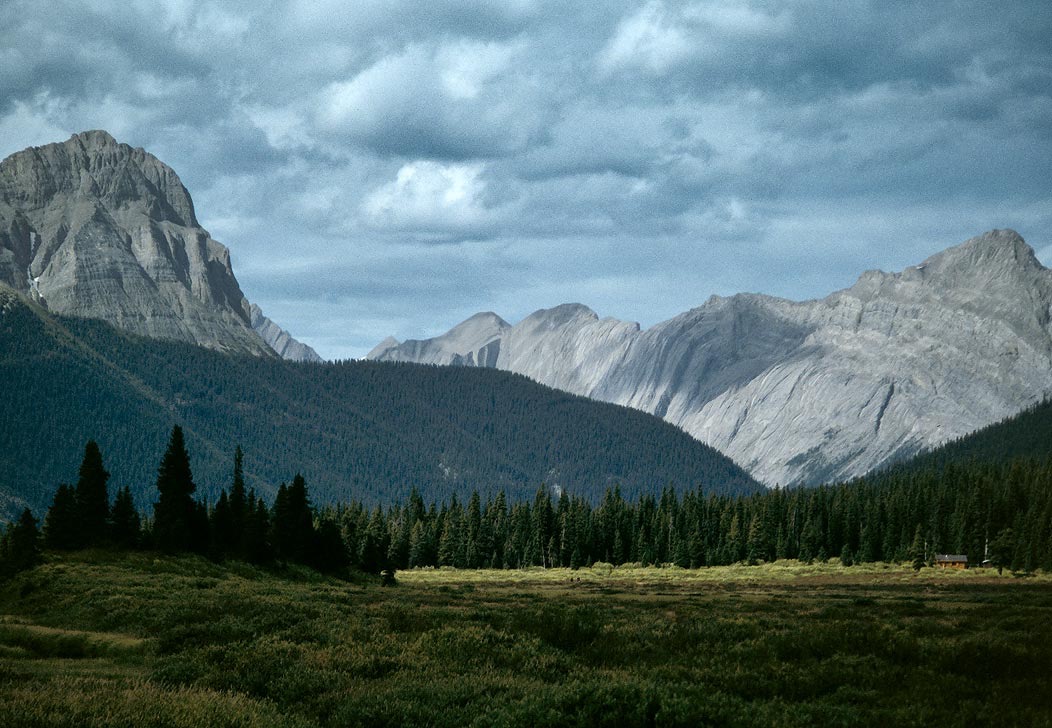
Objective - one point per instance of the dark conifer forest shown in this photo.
(356, 430)
(999, 513)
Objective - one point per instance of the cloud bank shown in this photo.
(392, 167)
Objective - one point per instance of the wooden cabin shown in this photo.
(951, 561)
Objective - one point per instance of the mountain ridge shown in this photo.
(818, 390)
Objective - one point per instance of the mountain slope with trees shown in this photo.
(356, 430)
(1026, 435)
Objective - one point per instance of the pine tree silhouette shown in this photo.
(175, 514)
(93, 503)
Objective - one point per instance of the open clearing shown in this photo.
(136, 639)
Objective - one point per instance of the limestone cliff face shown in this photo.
(817, 390)
(279, 339)
(94, 228)
(475, 342)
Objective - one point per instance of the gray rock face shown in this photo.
(475, 342)
(279, 339)
(94, 228)
(800, 393)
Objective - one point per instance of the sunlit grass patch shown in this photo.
(778, 571)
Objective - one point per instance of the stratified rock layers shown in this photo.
(812, 391)
(94, 228)
(279, 339)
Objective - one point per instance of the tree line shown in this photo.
(996, 512)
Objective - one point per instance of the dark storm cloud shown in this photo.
(390, 167)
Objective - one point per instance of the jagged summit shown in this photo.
(377, 351)
(993, 253)
(558, 315)
(483, 323)
(280, 340)
(96, 228)
(95, 164)
(799, 392)
(473, 342)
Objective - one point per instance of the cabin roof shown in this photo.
(951, 557)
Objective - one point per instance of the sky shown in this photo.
(391, 168)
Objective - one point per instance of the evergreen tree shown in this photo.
(331, 553)
(917, 549)
(866, 543)
(373, 557)
(473, 553)
(175, 513)
(754, 547)
(21, 544)
(281, 527)
(418, 545)
(221, 527)
(736, 539)
(93, 504)
(496, 528)
(254, 545)
(61, 524)
(450, 537)
(398, 552)
(301, 546)
(125, 525)
(1002, 549)
(238, 502)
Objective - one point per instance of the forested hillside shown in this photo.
(1025, 435)
(356, 430)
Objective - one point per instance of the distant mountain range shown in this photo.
(801, 393)
(94, 228)
(795, 393)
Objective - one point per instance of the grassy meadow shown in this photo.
(100, 639)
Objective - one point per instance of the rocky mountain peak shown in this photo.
(483, 323)
(93, 165)
(380, 349)
(559, 315)
(96, 228)
(996, 264)
(995, 251)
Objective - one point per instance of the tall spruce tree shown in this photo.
(254, 545)
(418, 545)
(917, 549)
(61, 524)
(281, 523)
(374, 545)
(754, 544)
(125, 526)
(175, 513)
(93, 503)
(303, 544)
(220, 526)
(238, 502)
